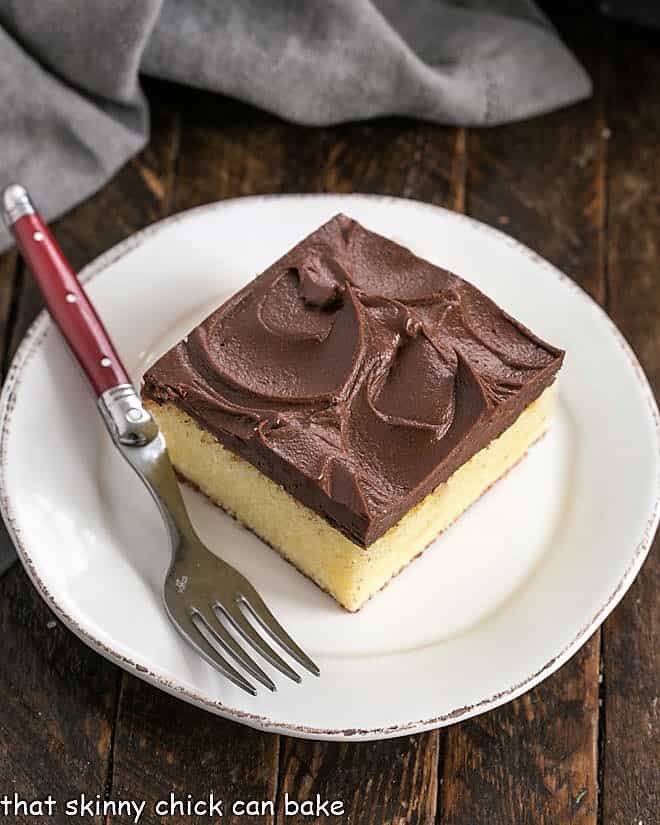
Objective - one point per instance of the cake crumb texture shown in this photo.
(347, 571)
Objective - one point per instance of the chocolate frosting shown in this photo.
(355, 374)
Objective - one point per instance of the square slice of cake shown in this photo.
(350, 403)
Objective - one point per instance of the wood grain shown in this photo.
(535, 759)
(8, 282)
(58, 702)
(631, 638)
(378, 783)
(229, 149)
(543, 182)
(531, 761)
(165, 746)
(396, 157)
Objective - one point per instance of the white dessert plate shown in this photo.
(498, 603)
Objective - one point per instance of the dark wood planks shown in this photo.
(397, 157)
(58, 702)
(8, 279)
(535, 759)
(164, 746)
(379, 783)
(229, 149)
(531, 761)
(631, 640)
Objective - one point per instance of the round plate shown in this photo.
(499, 602)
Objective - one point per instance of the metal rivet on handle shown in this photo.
(38, 236)
(134, 415)
(106, 362)
(71, 298)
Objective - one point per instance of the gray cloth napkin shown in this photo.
(71, 109)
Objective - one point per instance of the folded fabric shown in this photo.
(71, 109)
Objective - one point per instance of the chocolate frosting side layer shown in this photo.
(355, 374)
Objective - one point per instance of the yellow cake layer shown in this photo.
(348, 572)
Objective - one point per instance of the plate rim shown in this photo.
(31, 344)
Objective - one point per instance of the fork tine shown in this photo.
(222, 637)
(240, 622)
(257, 607)
(195, 636)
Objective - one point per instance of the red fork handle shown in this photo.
(65, 298)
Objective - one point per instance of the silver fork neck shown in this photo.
(127, 420)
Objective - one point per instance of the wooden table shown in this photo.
(581, 187)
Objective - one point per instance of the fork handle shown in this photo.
(63, 293)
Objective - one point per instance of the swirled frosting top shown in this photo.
(356, 374)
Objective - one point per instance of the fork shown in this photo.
(210, 603)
